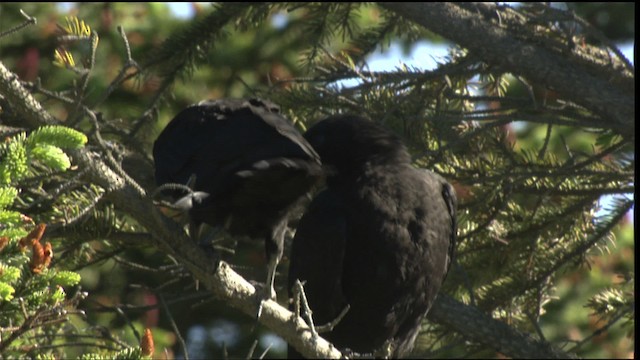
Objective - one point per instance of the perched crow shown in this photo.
(380, 238)
(247, 165)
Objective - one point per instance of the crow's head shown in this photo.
(347, 143)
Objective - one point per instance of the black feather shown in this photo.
(380, 238)
(250, 165)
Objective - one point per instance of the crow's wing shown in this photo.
(216, 138)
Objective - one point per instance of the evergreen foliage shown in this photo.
(86, 264)
(33, 299)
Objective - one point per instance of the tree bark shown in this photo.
(491, 33)
(482, 328)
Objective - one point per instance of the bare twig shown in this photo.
(114, 164)
(124, 74)
(29, 323)
(174, 326)
(252, 349)
(302, 306)
(332, 324)
(602, 329)
(28, 21)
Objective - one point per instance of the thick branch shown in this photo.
(483, 329)
(496, 45)
(22, 101)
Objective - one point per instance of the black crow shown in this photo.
(380, 238)
(247, 165)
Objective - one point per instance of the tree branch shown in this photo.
(501, 47)
(19, 97)
(481, 328)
